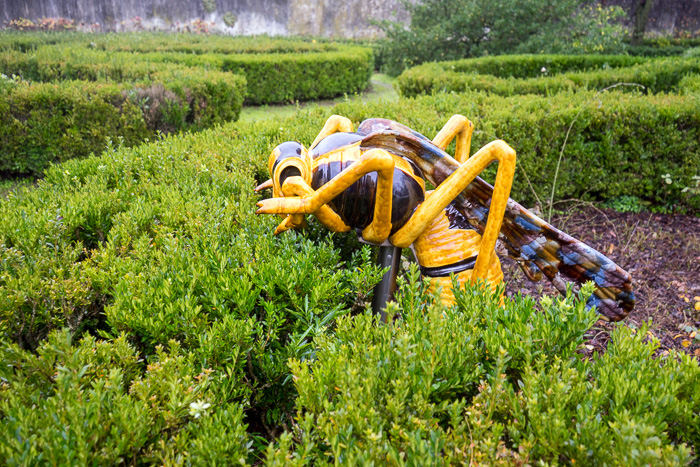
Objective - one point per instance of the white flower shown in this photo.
(199, 408)
(543, 70)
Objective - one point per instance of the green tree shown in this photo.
(454, 29)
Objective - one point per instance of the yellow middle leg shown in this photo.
(460, 127)
(453, 186)
(334, 124)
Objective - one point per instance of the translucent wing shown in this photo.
(535, 244)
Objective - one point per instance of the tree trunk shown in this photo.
(641, 16)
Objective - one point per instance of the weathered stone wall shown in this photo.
(339, 18)
(666, 16)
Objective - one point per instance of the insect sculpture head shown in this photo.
(288, 160)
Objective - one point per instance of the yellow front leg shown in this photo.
(460, 127)
(334, 124)
(297, 186)
(453, 186)
(374, 160)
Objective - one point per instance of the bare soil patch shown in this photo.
(660, 251)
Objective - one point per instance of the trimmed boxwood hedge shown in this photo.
(143, 42)
(663, 47)
(148, 316)
(530, 66)
(43, 123)
(619, 144)
(283, 78)
(51, 64)
(656, 76)
(280, 71)
(25, 41)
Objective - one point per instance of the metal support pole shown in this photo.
(388, 257)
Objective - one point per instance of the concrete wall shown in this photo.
(339, 18)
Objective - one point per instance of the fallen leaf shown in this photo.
(697, 306)
(692, 334)
(677, 336)
(685, 343)
(697, 352)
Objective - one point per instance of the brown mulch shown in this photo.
(662, 254)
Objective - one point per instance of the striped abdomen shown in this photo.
(355, 205)
(450, 246)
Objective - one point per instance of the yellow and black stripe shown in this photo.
(450, 246)
(355, 205)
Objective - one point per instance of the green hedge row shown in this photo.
(690, 84)
(619, 144)
(662, 42)
(280, 78)
(655, 76)
(649, 51)
(50, 64)
(30, 41)
(26, 41)
(530, 66)
(43, 123)
(662, 47)
(199, 44)
(195, 336)
(324, 71)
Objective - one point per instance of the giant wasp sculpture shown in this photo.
(373, 180)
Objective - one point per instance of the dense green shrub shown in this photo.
(662, 42)
(280, 78)
(30, 41)
(44, 122)
(280, 71)
(49, 64)
(647, 51)
(633, 139)
(662, 47)
(486, 384)
(143, 42)
(655, 76)
(165, 42)
(136, 251)
(96, 403)
(530, 66)
(194, 335)
(690, 85)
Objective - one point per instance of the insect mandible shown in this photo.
(373, 180)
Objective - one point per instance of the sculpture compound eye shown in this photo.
(287, 160)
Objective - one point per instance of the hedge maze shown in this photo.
(149, 317)
(135, 87)
(636, 117)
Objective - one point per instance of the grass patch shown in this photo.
(381, 88)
